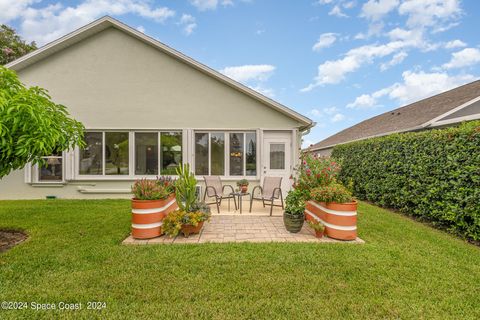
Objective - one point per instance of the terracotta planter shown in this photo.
(244, 189)
(188, 229)
(293, 223)
(147, 216)
(340, 219)
(319, 233)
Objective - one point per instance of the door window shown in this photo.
(277, 156)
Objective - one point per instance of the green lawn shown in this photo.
(405, 270)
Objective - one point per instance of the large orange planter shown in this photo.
(340, 219)
(147, 216)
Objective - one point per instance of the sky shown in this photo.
(336, 61)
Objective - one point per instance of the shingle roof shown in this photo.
(407, 118)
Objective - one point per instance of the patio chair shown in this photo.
(269, 192)
(215, 189)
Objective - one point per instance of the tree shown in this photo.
(31, 124)
(12, 46)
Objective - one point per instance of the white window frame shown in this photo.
(131, 155)
(36, 172)
(227, 133)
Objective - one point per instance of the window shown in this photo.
(91, 157)
(116, 153)
(171, 156)
(201, 154)
(277, 156)
(130, 153)
(146, 153)
(230, 153)
(236, 154)
(52, 169)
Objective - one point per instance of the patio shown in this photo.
(231, 226)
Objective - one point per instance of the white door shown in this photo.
(277, 160)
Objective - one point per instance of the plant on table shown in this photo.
(243, 185)
(192, 213)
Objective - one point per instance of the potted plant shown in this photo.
(152, 201)
(293, 215)
(334, 205)
(318, 227)
(243, 185)
(191, 215)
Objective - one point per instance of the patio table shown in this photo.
(239, 196)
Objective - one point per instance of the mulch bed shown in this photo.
(10, 238)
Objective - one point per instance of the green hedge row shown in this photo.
(432, 174)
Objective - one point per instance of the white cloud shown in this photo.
(464, 58)
(455, 44)
(337, 12)
(323, 112)
(423, 13)
(396, 59)
(330, 110)
(245, 73)
(325, 41)
(269, 92)
(188, 22)
(315, 112)
(11, 10)
(338, 117)
(415, 86)
(203, 5)
(377, 9)
(50, 22)
(141, 29)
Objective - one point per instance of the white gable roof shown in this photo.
(107, 22)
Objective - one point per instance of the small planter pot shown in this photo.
(244, 189)
(319, 233)
(147, 216)
(188, 229)
(340, 219)
(293, 223)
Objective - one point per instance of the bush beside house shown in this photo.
(431, 174)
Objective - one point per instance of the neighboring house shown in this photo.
(445, 109)
(147, 108)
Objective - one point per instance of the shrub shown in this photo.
(334, 192)
(431, 174)
(145, 189)
(295, 202)
(315, 171)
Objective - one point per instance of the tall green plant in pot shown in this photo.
(293, 216)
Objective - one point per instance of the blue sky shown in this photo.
(337, 61)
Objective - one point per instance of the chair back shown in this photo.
(269, 185)
(215, 182)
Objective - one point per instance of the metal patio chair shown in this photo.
(269, 192)
(215, 189)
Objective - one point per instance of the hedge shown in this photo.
(433, 174)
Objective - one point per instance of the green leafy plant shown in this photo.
(433, 175)
(295, 202)
(31, 125)
(173, 222)
(316, 225)
(150, 190)
(334, 192)
(185, 188)
(242, 182)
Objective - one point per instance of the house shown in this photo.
(445, 109)
(146, 108)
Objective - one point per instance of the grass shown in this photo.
(405, 270)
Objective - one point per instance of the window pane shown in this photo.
(251, 154)
(51, 170)
(116, 153)
(201, 153)
(146, 153)
(217, 143)
(91, 158)
(277, 156)
(171, 144)
(236, 154)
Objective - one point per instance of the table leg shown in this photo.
(240, 201)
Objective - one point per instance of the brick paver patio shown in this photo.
(242, 228)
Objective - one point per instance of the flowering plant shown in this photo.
(334, 192)
(315, 171)
(145, 189)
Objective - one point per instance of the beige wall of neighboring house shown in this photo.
(114, 81)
